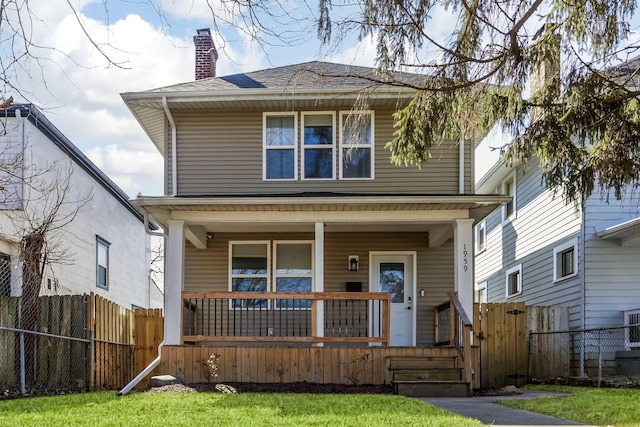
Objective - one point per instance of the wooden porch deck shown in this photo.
(324, 365)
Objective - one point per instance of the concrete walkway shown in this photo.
(486, 411)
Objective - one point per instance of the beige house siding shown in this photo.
(220, 152)
(207, 270)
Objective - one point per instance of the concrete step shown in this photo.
(409, 362)
(432, 388)
(428, 374)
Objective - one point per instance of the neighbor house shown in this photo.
(288, 226)
(541, 250)
(98, 242)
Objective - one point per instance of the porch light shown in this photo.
(353, 262)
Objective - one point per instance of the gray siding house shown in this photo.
(542, 251)
(287, 223)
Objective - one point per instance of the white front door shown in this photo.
(395, 273)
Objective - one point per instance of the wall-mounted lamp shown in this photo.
(353, 262)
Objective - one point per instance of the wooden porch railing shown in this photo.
(454, 327)
(294, 317)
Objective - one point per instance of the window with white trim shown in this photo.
(249, 271)
(632, 332)
(481, 236)
(293, 271)
(318, 145)
(102, 263)
(565, 260)
(356, 145)
(259, 266)
(280, 146)
(509, 188)
(480, 292)
(514, 281)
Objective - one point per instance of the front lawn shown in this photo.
(599, 406)
(218, 409)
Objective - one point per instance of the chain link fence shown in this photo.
(606, 355)
(44, 345)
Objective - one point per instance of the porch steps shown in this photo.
(427, 376)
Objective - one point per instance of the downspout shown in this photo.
(146, 371)
(461, 159)
(583, 288)
(174, 149)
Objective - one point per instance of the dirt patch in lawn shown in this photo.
(301, 387)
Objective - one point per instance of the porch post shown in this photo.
(174, 283)
(463, 262)
(319, 276)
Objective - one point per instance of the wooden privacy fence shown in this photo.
(126, 341)
(80, 342)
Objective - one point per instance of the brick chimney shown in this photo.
(548, 68)
(206, 54)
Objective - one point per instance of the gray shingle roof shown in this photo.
(315, 74)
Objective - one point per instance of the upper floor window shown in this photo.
(565, 260)
(514, 281)
(318, 145)
(481, 237)
(509, 189)
(356, 145)
(280, 146)
(102, 263)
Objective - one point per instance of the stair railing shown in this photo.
(461, 331)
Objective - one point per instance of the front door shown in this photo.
(394, 273)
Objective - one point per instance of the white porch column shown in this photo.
(318, 279)
(463, 262)
(174, 283)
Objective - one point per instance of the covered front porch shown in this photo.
(327, 287)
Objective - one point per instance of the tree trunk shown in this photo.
(31, 253)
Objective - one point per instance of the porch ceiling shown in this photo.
(382, 213)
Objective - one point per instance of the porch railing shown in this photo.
(454, 327)
(294, 317)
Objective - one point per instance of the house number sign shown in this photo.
(465, 258)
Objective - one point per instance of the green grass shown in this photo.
(597, 406)
(217, 409)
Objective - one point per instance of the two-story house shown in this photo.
(98, 238)
(287, 223)
(546, 252)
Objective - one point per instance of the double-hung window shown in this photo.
(318, 145)
(514, 281)
(565, 260)
(259, 266)
(509, 188)
(249, 263)
(102, 263)
(356, 145)
(481, 237)
(293, 271)
(280, 146)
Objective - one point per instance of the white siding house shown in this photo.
(105, 245)
(585, 258)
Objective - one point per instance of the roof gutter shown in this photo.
(174, 150)
(256, 94)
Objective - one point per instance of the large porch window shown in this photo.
(249, 262)
(251, 270)
(294, 271)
